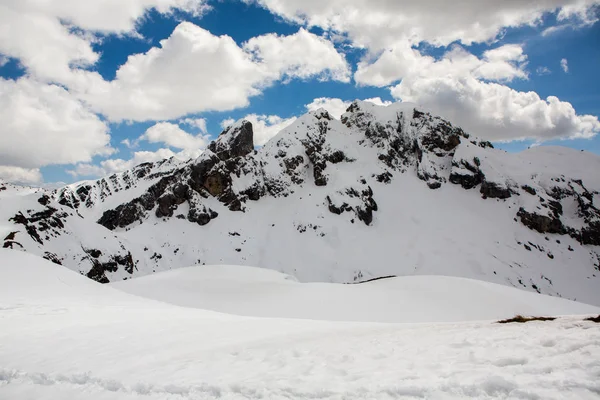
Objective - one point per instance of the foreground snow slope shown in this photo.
(65, 337)
(264, 293)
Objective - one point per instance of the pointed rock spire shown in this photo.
(235, 141)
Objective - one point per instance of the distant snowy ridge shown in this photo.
(383, 191)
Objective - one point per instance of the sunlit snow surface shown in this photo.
(63, 336)
(264, 293)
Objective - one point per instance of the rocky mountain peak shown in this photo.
(395, 188)
(236, 140)
(321, 113)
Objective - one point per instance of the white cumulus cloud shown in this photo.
(503, 63)
(301, 55)
(378, 25)
(44, 125)
(467, 89)
(496, 112)
(197, 123)
(194, 71)
(41, 35)
(20, 175)
(543, 70)
(173, 136)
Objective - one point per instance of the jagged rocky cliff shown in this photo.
(393, 188)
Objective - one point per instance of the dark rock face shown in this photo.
(99, 268)
(415, 140)
(363, 212)
(48, 222)
(200, 171)
(336, 157)
(434, 185)
(314, 151)
(167, 204)
(292, 170)
(591, 234)
(123, 215)
(467, 181)
(201, 215)
(217, 182)
(494, 190)
(444, 137)
(86, 195)
(136, 210)
(385, 177)
(211, 175)
(545, 216)
(236, 141)
(44, 200)
(556, 208)
(52, 257)
(586, 209)
(11, 236)
(10, 242)
(335, 209)
(438, 140)
(541, 223)
(94, 253)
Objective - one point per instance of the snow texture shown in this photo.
(258, 292)
(64, 336)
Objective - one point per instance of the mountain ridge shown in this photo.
(361, 181)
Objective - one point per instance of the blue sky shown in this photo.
(71, 117)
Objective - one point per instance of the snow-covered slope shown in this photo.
(63, 336)
(383, 191)
(263, 293)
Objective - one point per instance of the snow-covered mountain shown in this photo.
(383, 191)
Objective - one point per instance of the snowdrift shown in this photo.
(63, 336)
(265, 293)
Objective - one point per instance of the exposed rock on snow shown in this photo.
(235, 141)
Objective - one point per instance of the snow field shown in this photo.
(63, 336)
